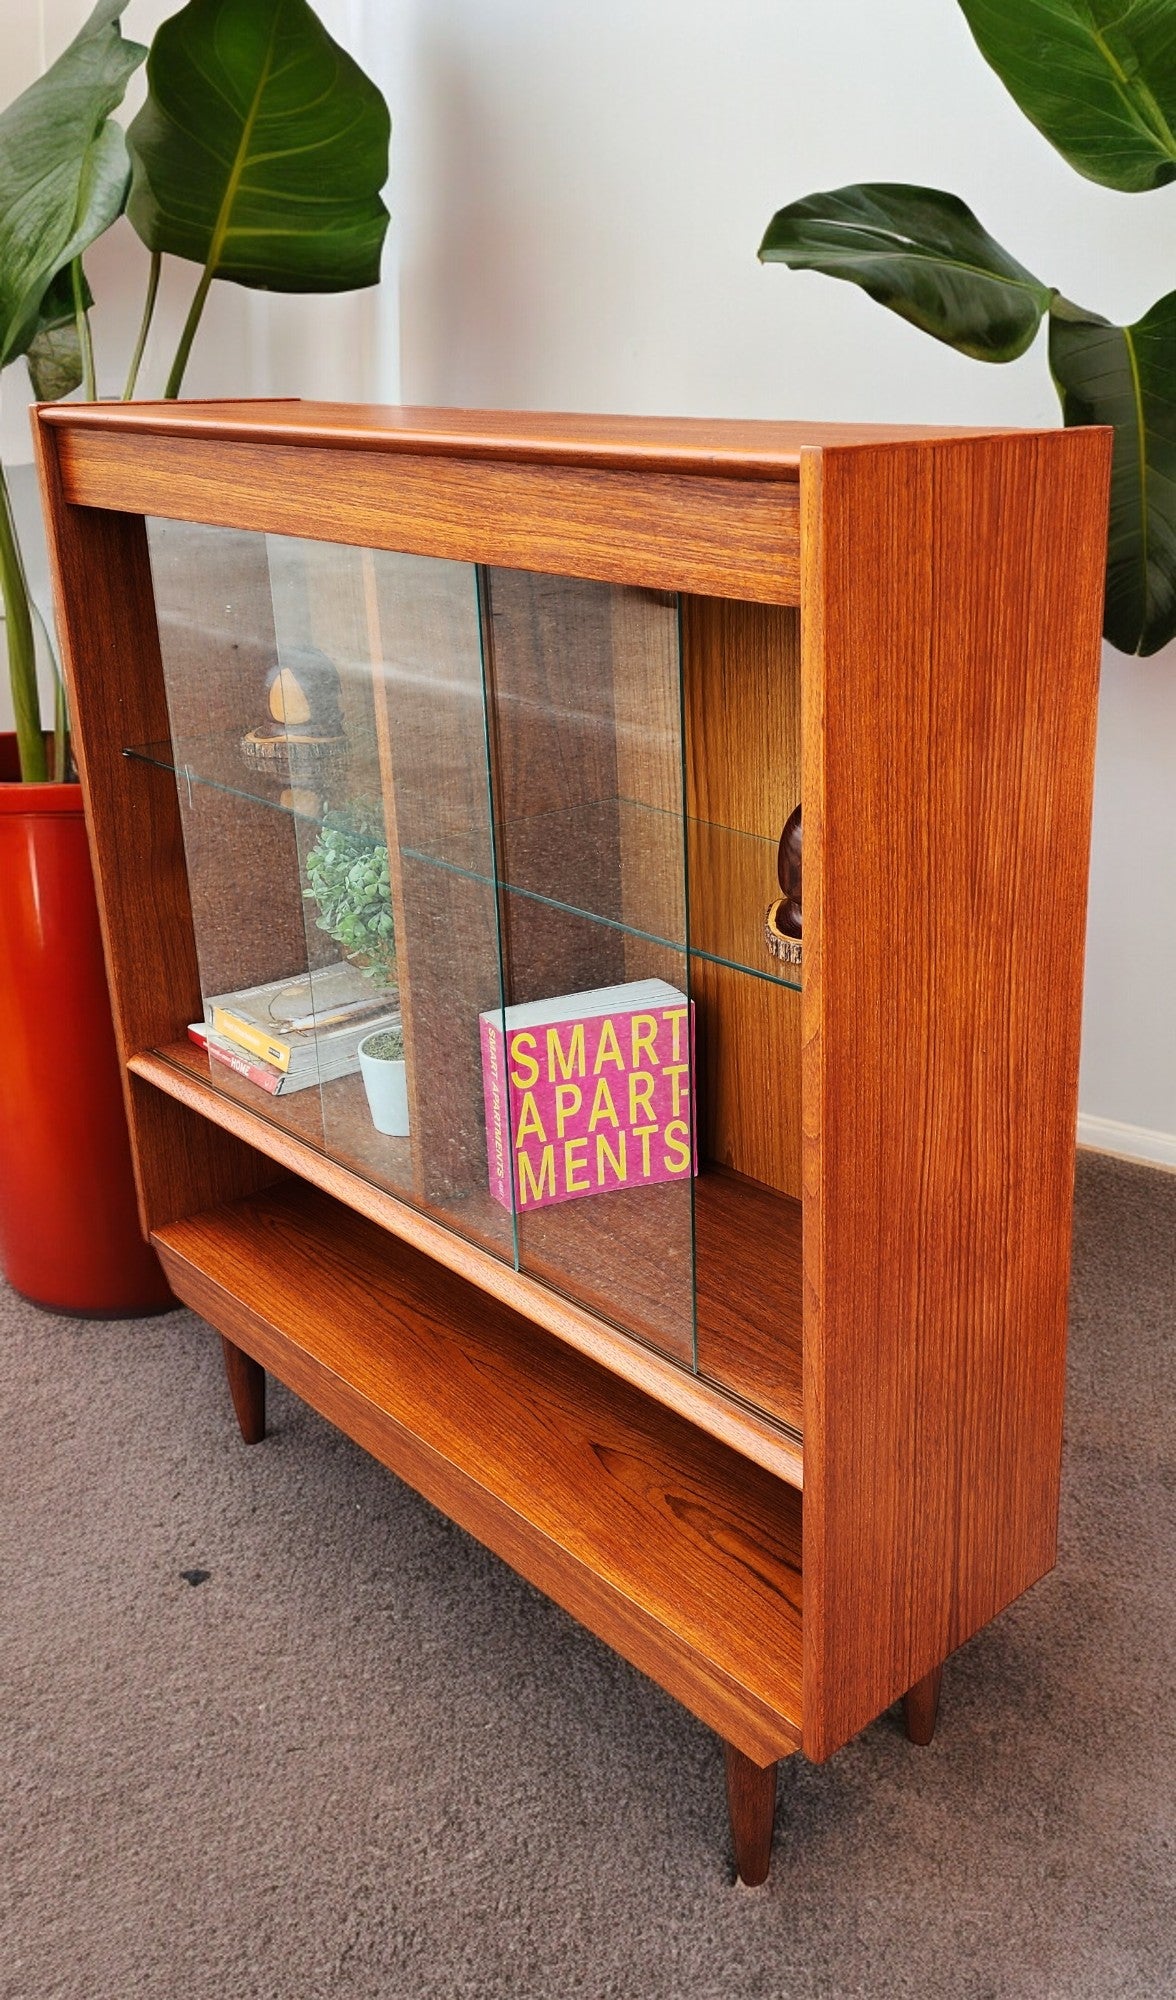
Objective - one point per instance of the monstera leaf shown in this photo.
(1096, 77)
(54, 354)
(63, 169)
(1126, 376)
(922, 253)
(261, 150)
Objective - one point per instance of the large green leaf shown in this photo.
(55, 362)
(261, 150)
(54, 354)
(922, 253)
(63, 169)
(1097, 78)
(1126, 376)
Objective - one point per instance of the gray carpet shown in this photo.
(363, 1759)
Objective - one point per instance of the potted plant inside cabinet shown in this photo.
(774, 1407)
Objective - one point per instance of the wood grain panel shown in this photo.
(110, 651)
(747, 1336)
(952, 607)
(666, 531)
(741, 687)
(741, 696)
(749, 1074)
(670, 1547)
(747, 1248)
(183, 1073)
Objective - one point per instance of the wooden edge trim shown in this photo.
(812, 792)
(654, 1648)
(752, 1436)
(569, 439)
(518, 446)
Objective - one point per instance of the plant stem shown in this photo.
(60, 730)
(83, 319)
(188, 336)
(22, 651)
(61, 751)
(144, 325)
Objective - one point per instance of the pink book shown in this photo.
(266, 1078)
(588, 1093)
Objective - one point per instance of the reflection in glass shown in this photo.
(428, 808)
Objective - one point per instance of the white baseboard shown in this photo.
(1130, 1142)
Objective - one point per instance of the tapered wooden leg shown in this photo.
(920, 1706)
(247, 1389)
(751, 1807)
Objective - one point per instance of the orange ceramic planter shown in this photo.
(69, 1230)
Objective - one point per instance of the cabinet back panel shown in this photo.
(741, 704)
(741, 697)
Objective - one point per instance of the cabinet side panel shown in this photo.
(110, 650)
(953, 595)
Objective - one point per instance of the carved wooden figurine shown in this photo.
(301, 743)
(782, 927)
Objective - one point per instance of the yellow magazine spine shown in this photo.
(246, 1036)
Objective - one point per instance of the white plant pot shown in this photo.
(386, 1084)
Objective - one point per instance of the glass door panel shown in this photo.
(327, 713)
(218, 644)
(428, 809)
(585, 726)
(404, 635)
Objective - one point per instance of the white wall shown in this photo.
(583, 189)
(250, 343)
(578, 194)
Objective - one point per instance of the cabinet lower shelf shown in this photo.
(679, 1552)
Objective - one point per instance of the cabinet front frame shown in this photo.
(113, 664)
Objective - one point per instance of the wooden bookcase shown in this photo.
(785, 1436)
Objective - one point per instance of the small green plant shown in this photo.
(1098, 80)
(388, 1046)
(349, 883)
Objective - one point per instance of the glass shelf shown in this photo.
(218, 763)
(601, 861)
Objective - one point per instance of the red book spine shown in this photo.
(497, 1129)
(267, 1079)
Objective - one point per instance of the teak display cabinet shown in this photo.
(788, 1433)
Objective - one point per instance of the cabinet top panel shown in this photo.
(700, 446)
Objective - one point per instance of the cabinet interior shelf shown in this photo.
(742, 1230)
(705, 887)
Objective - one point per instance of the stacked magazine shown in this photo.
(292, 1033)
